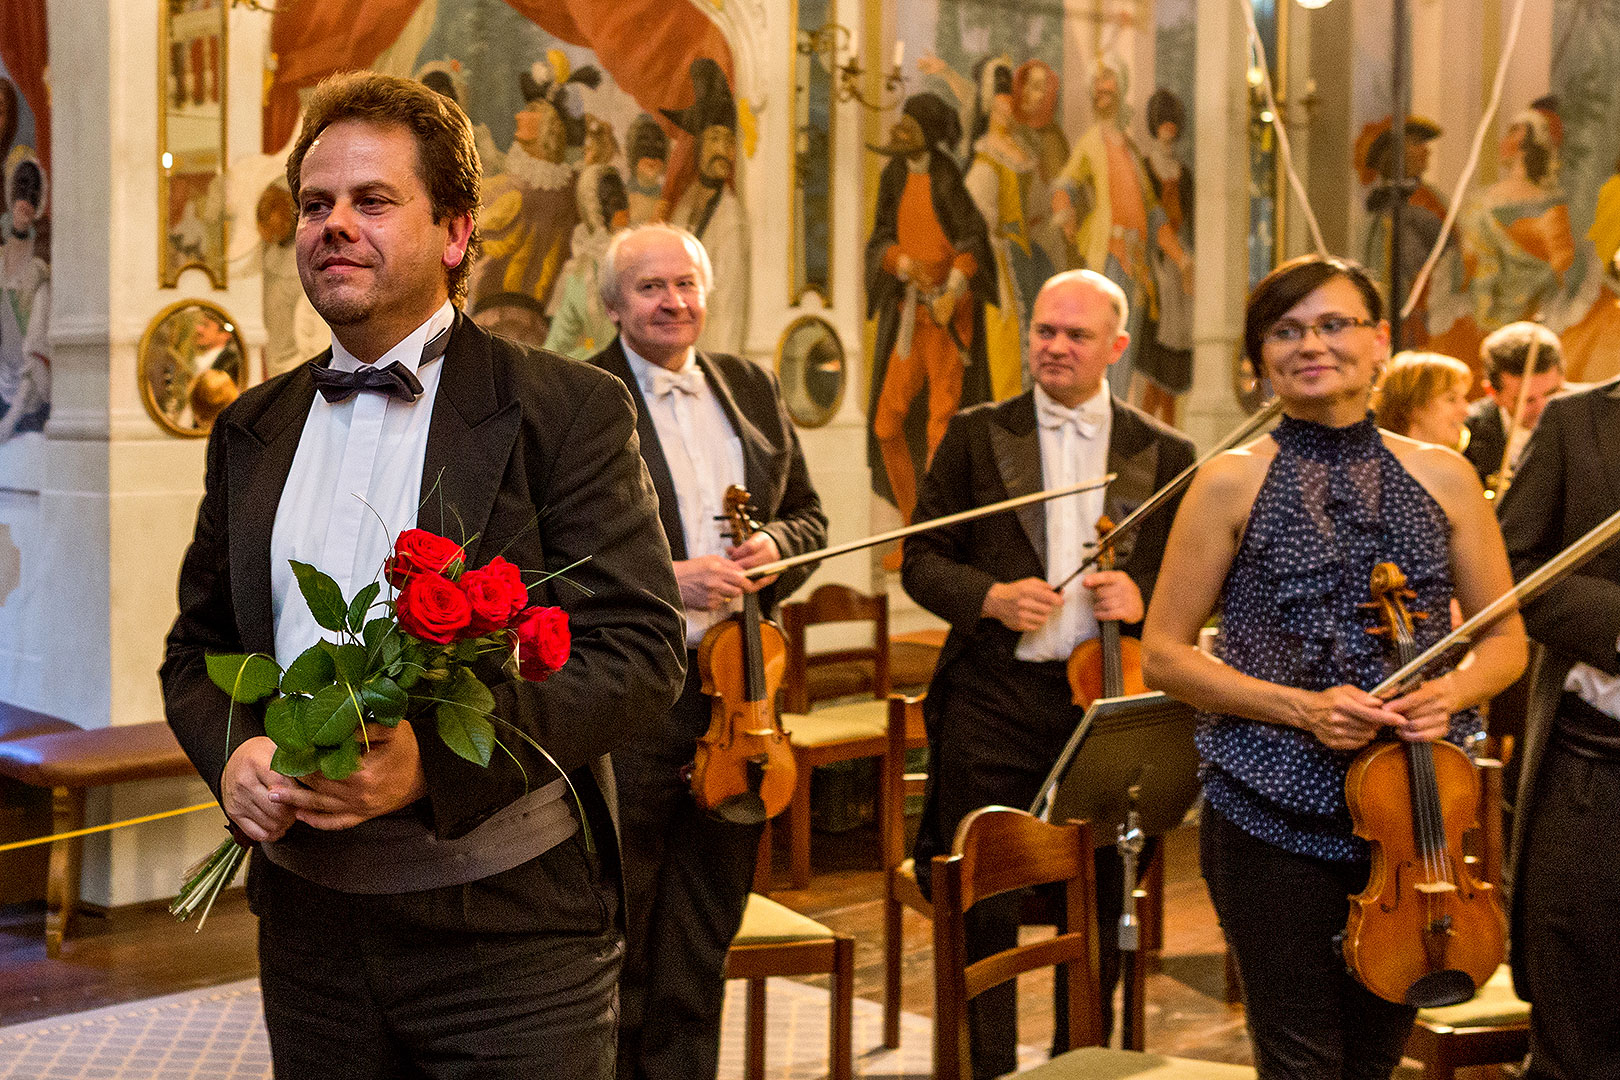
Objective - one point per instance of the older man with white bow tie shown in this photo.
(999, 709)
(706, 421)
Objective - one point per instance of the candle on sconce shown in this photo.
(899, 54)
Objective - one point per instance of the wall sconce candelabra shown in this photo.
(831, 41)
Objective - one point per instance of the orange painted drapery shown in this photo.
(25, 51)
(645, 45)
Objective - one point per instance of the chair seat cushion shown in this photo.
(90, 758)
(766, 920)
(1097, 1063)
(838, 723)
(19, 723)
(1496, 1005)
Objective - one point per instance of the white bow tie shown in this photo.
(1087, 422)
(687, 381)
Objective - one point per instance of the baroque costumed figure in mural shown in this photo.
(929, 274)
(580, 325)
(25, 299)
(710, 209)
(528, 215)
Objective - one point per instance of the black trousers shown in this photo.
(1308, 1018)
(509, 977)
(1003, 723)
(1569, 929)
(687, 876)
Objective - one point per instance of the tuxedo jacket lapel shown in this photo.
(615, 362)
(1133, 458)
(470, 441)
(260, 449)
(1015, 444)
(756, 449)
(1606, 434)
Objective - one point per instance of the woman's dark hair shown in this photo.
(1163, 107)
(1537, 155)
(1292, 282)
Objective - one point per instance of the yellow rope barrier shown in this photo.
(15, 844)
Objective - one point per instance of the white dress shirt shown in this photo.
(369, 447)
(704, 455)
(1596, 687)
(1074, 447)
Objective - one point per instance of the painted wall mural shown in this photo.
(589, 115)
(25, 253)
(1539, 229)
(1029, 142)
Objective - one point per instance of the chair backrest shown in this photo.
(998, 850)
(833, 603)
(905, 730)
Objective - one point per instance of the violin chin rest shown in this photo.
(748, 808)
(1441, 988)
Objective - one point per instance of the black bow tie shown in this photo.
(396, 380)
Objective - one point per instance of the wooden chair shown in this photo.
(999, 850)
(776, 940)
(901, 891)
(900, 888)
(838, 732)
(1493, 1027)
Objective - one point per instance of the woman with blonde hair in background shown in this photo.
(1424, 396)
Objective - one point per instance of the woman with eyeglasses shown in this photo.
(1279, 538)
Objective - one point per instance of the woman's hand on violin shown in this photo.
(1426, 712)
(1022, 605)
(1345, 717)
(710, 582)
(757, 550)
(1114, 596)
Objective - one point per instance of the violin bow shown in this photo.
(1533, 585)
(1131, 520)
(923, 526)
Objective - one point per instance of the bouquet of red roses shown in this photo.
(415, 660)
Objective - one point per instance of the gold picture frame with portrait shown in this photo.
(192, 363)
(813, 370)
(191, 141)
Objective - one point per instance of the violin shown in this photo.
(1425, 932)
(744, 770)
(1110, 664)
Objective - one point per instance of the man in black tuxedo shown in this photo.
(1564, 864)
(425, 916)
(707, 421)
(999, 708)
(1505, 354)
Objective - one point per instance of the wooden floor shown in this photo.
(141, 952)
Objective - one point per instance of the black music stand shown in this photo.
(1130, 765)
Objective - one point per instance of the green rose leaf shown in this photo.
(386, 653)
(362, 604)
(312, 670)
(332, 715)
(294, 762)
(323, 596)
(467, 651)
(282, 723)
(464, 718)
(383, 698)
(247, 677)
(341, 760)
(351, 663)
(375, 632)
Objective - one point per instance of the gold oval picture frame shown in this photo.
(813, 370)
(192, 363)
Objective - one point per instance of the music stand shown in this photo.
(1131, 770)
(1143, 739)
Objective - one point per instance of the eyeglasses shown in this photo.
(1329, 327)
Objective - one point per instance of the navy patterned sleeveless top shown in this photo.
(1335, 503)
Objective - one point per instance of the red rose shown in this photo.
(496, 594)
(543, 642)
(418, 551)
(432, 608)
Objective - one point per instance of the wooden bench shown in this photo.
(69, 763)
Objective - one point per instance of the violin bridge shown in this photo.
(1435, 887)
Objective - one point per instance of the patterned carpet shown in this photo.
(218, 1034)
